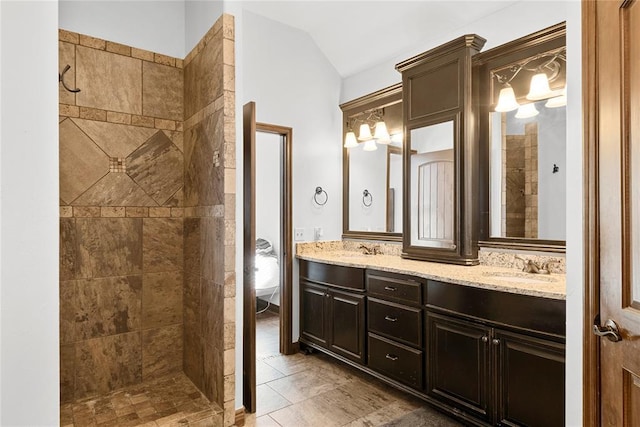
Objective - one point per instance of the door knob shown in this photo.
(609, 330)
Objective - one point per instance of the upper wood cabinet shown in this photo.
(440, 154)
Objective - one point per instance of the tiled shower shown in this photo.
(147, 224)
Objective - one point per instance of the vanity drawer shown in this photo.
(399, 288)
(395, 321)
(395, 360)
(332, 275)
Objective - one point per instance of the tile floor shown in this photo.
(315, 390)
(168, 401)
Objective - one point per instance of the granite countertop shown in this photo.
(481, 276)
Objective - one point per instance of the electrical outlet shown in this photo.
(298, 234)
(317, 233)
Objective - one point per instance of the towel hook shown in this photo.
(366, 195)
(319, 192)
(61, 80)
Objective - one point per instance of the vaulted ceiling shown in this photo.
(355, 35)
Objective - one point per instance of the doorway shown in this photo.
(267, 244)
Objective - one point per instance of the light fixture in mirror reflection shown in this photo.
(432, 187)
(527, 173)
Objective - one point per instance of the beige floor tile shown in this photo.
(306, 384)
(268, 400)
(266, 373)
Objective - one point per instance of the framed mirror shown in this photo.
(523, 142)
(372, 166)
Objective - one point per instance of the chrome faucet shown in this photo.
(529, 266)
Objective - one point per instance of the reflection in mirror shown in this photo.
(432, 186)
(527, 167)
(394, 189)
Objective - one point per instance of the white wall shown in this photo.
(515, 21)
(29, 373)
(199, 16)
(158, 26)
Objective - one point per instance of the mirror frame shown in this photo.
(386, 97)
(517, 50)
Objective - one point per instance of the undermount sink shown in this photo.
(521, 277)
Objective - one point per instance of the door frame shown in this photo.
(591, 242)
(250, 127)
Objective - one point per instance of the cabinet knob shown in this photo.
(326, 295)
(391, 319)
(485, 338)
(391, 357)
(496, 341)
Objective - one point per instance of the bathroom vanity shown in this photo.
(485, 344)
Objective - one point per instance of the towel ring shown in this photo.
(366, 195)
(61, 80)
(319, 192)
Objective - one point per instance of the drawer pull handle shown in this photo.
(391, 357)
(485, 339)
(391, 319)
(390, 288)
(496, 341)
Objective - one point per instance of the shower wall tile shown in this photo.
(212, 316)
(93, 114)
(157, 167)
(162, 299)
(109, 246)
(116, 140)
(67, 311)
(105, 364)
(162, 244)
(67, 56)
(115, 189)
(203, 78)
(162, 91)
(161, 351)
(193, 357)
(212, 249)
(108, 81)
(68, 249)
(82, 163)
(108, 306)
(118, 48)
(67, 372)
(213, 371)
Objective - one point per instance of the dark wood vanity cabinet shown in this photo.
(333, 315)
(486, 357)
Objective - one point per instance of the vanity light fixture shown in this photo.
(558, 101)
(527, 110)
(350, 140)
(365, 132)
(370, 145)
(381, 134)
(546, 68)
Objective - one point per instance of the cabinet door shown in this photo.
(530, 380)
(457, 363)
(347, 324)
(313, 309)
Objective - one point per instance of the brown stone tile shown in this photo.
(212, 249)
(176, 201)
(162, 242)
(116, 140)
(177, 212)
(142, 54)
(68, 249)
(68, 36)
(108, 306)
(157, 166)
(118, 48)
(159, 212)
(203, 78)
(203, 184)
(228, 26)
(108, 363)
(92, 42)
(137, 212)
(109, 246)
(121, 118)
(68, 309)
(68, 110)
(168, 125)
(212, 377)
(108, 81)
(212, 312)
(86, 211)
(93, 114)
(67, 372)
(115, 189)
(162, 91)
(164, 60)
(179, 63)
(161, 351)
(82, 163)
(147, 122)
(229, 77)
(193, 357)
(66, 212)
(112, 212)
(67, 56)
(162, 299)
(176, 137)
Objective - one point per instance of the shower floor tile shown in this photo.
(170, 400)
